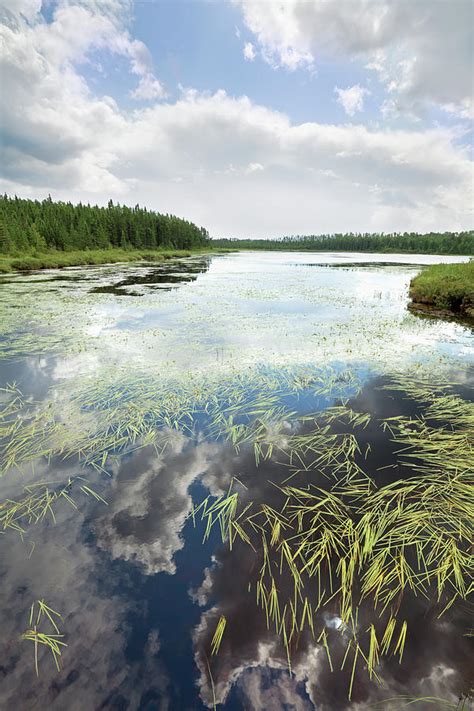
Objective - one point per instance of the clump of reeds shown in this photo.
(445, 286)
(38, 501)
(344, 541)
(40, 614)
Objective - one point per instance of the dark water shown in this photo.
(166, 277)
(139, 590)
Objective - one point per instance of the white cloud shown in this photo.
(76, 30)
(254, 167)
(352, 98)
(69, 574)
(421, 51)
(249, 51)
(149, 88)
(464, 110)
(148, 509)
(59, 137)
(11, 10)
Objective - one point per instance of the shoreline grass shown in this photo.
(337, 250)
(445, 289)
(59, 260)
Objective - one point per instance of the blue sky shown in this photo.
(195, 44)
(252, 118)
(200, 45)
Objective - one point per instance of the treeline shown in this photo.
(29, 226)
(429, 243)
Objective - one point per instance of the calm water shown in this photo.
(139, 591)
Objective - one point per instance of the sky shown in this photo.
(252, 118)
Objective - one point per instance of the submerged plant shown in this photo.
(439, 703)
(101, 419)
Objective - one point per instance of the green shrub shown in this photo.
(26, 264)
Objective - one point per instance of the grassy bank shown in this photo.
(445, 289)
(57, 259)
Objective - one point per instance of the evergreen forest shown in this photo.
(30, 226)
(429, 243)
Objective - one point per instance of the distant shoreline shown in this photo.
(445, 243)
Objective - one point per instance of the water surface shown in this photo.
(109, 349)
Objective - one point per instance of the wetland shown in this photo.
(237, 481)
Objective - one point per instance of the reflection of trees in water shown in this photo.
(165, 277)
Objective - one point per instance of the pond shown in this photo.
(240, 481)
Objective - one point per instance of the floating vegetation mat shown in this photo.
(91, 419)
(347, 516)
(221, 310)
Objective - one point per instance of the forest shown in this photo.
(32, 226)
(29, 227)
(429, 243)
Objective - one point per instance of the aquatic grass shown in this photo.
(59, 259)
(440, 703)
(448, 287)
(341, 537)
(40, 612)
(362, 542)
(218, 634)
(35, 307)
(100, 419)
(39, 501)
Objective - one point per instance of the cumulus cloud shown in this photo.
(59, 137)
(422, 52)
(149, 88)
(12, 10)
(421, 171)
(352, 98)
(39, 70)
(149, 504)
(53, 125)
(254, 167)
(75, 579)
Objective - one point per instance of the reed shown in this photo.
(338, 537)
(352, 542)
(41, 613)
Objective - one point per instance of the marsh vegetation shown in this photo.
(226, 484)
(447, 288)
